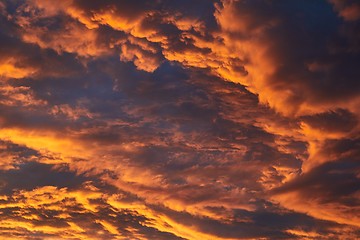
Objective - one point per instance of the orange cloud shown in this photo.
(49, 198)
(331, 211)
(67, 41)
(143, 60)
(348, 10)
(19, 96)
(46, 142)
(10, 68)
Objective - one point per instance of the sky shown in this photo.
(174, 120)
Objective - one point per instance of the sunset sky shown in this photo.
(179, 119)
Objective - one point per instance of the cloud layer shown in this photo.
(226, 119)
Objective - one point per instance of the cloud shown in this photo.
(338, 200)
(280, 50)
(165, 120)
(349, 10)
(337, 121)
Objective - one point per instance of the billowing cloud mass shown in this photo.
(198, 120)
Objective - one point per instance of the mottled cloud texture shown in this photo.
(198, 120)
